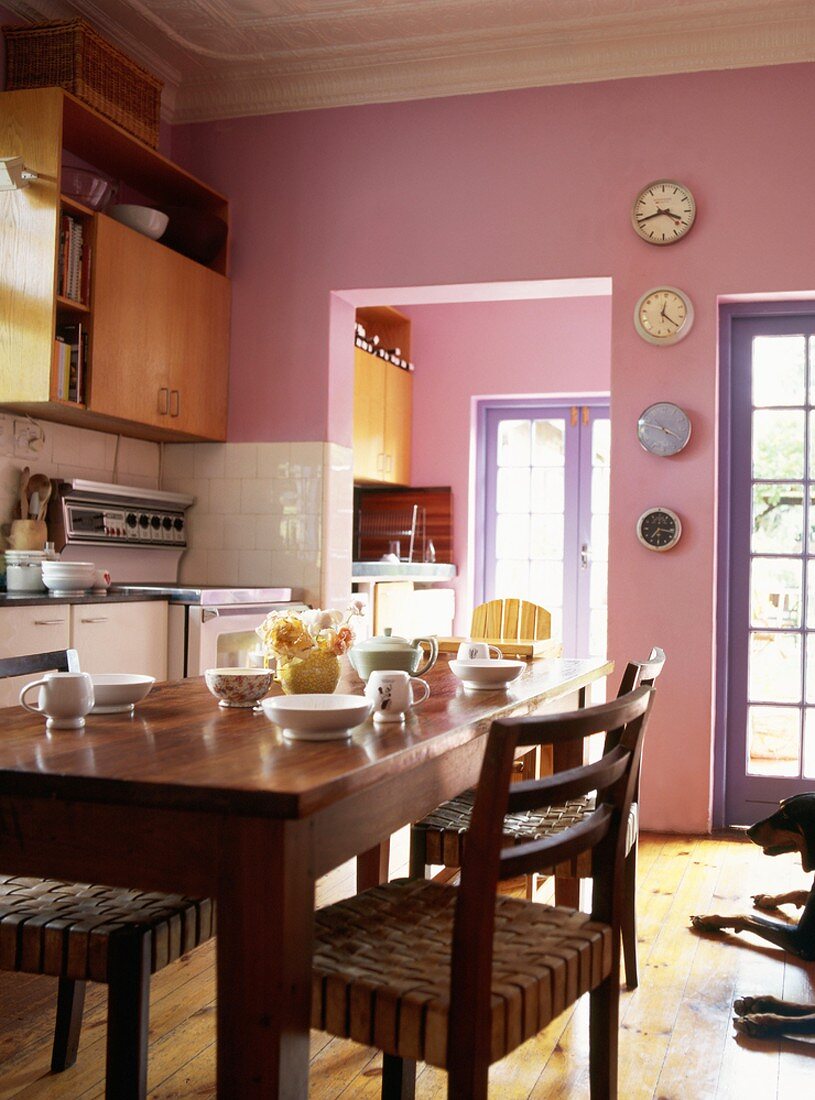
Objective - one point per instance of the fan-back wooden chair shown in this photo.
(441, 837)
(511, 621)
(79, 933)
(458, 977)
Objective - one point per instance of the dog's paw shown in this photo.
(765, 901)
(744, 1005)
(758, 1025)
(707, 923)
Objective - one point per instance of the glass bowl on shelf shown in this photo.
(91, 188)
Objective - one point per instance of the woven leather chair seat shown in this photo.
(446, 831)
(382, 968)
(65, 928)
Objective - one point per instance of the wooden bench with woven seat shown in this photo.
(440, 838)
(78, 933)
(457, 977)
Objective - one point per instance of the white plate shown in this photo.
(487, 675)
(317, 717)
(117, 692)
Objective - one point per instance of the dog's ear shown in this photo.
(800, 813)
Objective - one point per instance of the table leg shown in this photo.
(373, 866)
(264, 950)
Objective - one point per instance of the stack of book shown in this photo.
(70, 362)
(74, 260)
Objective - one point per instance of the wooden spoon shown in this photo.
(23, 492)
(45, 496)
(40, 485)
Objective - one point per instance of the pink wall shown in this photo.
(537, 184)
(556, 345)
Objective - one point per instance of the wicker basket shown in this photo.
(72, 55)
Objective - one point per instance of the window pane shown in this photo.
(778, 443)
(513, 443)
(547, 489)
(773, 740)
(546, 584)
(598, 632)
(774, 670)
(511, 578)
(810, 684)
(549, 443)
(598, 585)
(512, 535)
(809, 745)
(512, 489)
(546, 537)
(775, 585)
(778, 370)
(778, 519)
(599, 489)
(599, 538)
(601, 442)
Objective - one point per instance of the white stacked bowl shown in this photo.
(24, 570)
(68, 577)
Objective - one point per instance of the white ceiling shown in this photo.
(224, 58)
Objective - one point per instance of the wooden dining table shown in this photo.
(184, 796)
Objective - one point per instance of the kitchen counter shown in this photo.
(33, 599)
(422, 571)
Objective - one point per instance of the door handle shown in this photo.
(163, 401)
(175, 405)
(585, 556)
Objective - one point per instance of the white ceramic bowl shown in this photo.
(239, 687)
(486, 675)
(317, 717)
(69, 568)
(118, 691)
(144, 219)
(67, 586)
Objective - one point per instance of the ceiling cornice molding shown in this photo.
(590, 59)
(557, 43)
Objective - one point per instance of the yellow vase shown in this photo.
(319, 672)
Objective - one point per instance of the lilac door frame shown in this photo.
(485, 472)
(728, 647)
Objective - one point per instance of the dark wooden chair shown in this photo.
(458, 977)
(79, 933)
(441, 837)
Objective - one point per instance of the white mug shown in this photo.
(391, 692)
(65, 699)
(478, 651)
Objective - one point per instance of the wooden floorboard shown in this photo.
(676, 1043)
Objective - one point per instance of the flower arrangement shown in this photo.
(292, 636)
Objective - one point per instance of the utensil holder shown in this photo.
(28, 534)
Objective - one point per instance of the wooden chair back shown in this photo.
(58, 660)
(511, 621)
(613, 777)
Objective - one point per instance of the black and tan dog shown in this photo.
(790, 829)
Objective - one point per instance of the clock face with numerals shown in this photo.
(663, 212)
(663, 315)
(659, 528)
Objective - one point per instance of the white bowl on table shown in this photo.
(487, 674)
(118, 692)
(68, 578)
(317, 717)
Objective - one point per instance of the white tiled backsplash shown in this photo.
(267, 513)
(264, 513)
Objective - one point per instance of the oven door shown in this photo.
(224, 637)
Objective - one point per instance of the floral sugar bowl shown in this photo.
(388, 652)
(307, 646)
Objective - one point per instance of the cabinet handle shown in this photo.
(98, 619)
(177, 405)
(163, 401)
(48, 622)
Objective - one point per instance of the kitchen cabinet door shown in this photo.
(398, 424)
(121, 637)
(369, 417)
(38, 629)
(135, 308)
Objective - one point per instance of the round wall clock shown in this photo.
(659, 528)
(663, 429)
(663, 212)
(663, 315)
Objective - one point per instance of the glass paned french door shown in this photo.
(770, 732)
(546, 515)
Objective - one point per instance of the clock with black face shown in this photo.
(659, 528)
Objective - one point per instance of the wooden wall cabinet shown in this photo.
(158, 323)
(383, 403)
